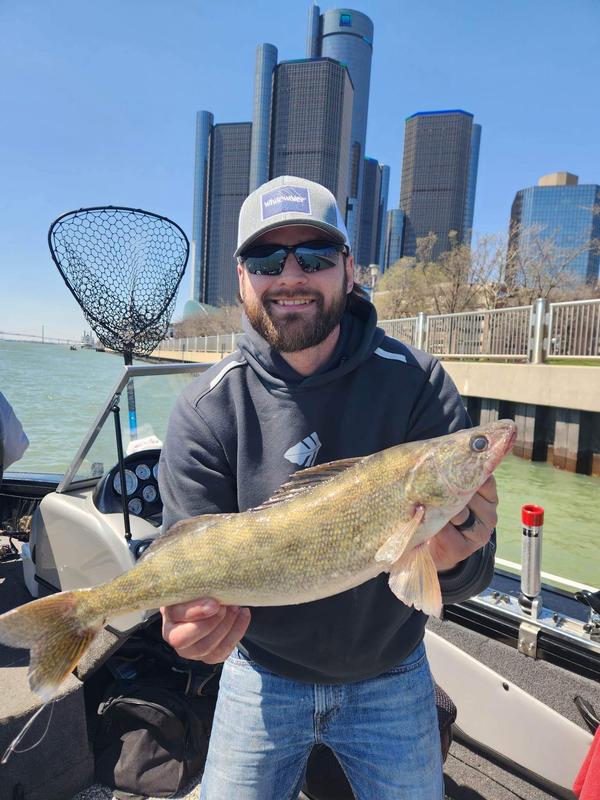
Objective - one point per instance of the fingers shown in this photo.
(204, 629)
(214, 648)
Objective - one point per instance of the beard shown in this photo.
(295, 332)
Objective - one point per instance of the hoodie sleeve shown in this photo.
(13, 439)
(194, 474)
(439, 410)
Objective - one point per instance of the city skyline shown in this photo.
(101, 105)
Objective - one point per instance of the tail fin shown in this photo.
(57, 637)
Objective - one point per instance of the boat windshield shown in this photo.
(144, 396)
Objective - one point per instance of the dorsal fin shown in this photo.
(192, 525)
(305, 479)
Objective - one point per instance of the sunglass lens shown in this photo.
(264, 261)
(315, 259)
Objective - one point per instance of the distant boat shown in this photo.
(73, 347)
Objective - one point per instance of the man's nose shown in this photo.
(292, 271)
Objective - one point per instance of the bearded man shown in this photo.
(314, 380)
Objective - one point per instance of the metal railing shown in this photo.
(532, 333)
(574, 329)
(217, 343)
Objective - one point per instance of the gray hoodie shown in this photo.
(245, 425)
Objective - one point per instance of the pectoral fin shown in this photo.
(414, 580)
(393, 548)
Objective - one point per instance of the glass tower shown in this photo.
(266, 61)
(376, 179)
(569, 214)
(204, 123)
(311, 123)
(394, 234)
(347, 36)
(227, 188)
(439, 174)
(471, 184)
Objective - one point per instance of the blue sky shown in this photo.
(98, 103)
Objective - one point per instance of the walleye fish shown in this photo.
(329, 529)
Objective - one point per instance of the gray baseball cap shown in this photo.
(289, 201)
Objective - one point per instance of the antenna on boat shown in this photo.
(123, 266)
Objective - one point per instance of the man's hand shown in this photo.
(203, 629)
(450, 545)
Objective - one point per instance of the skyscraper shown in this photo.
(566, 212)
(220, 188)
(376, 179)
(439, 174)
(394, 234)
(266, 61)
(347, 36)
(311, 122)
(204, 123)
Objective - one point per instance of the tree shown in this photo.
(227, 319)
(538, 266)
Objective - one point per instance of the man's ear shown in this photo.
(349, 266)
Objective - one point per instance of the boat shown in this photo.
(73, 347)
(521, 666)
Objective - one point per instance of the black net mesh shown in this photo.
(123, 266)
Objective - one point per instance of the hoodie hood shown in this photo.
(359, 337)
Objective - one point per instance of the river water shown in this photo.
(57, 392)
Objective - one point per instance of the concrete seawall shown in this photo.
(556, 408)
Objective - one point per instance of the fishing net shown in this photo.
(123, 266)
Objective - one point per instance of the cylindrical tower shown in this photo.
(266, 61)
(347, 36)
(204, 124)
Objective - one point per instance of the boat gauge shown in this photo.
(135, 505)
(155, 471)
(131, 482)
(149, 493)
(143, 472)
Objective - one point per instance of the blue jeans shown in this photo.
(383, 731)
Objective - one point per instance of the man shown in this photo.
(314, 380)
(13, 439)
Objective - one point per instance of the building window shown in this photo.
(345, 20)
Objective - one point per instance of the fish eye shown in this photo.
(479, 444)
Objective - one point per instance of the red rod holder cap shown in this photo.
(532, 515)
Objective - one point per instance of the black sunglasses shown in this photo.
(269, 259)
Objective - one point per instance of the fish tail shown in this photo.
(57, 631)
(414, 580)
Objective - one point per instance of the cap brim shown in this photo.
(331, 230)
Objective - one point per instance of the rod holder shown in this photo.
(530, 598)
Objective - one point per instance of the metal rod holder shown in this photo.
(530, 599)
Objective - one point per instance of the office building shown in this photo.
(347, 36)
(311, 122)
(204, 124)
(439, 174)
(394, 234)
(561, 209)
(376, 179)
(266, 61)
(220, 188)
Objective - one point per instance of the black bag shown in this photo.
(152, 736)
